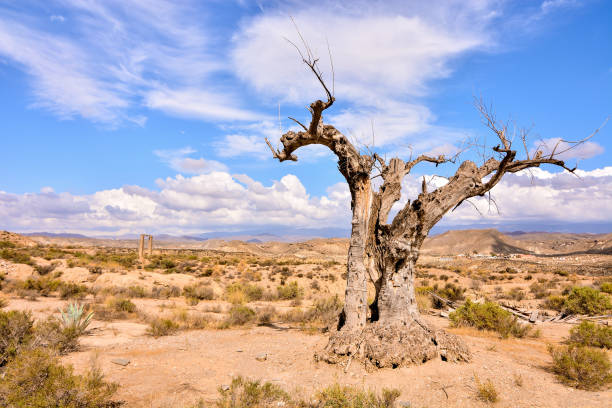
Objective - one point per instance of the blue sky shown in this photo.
(126, 116)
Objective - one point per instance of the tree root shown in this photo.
(394, 345)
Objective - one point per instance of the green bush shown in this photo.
(591, 334)
(35, 379)
(45, 269)
(16, 332)
(289, 291)
(122, 305)
(554, 302)
(586, 300)
(488, 316)
(44, 285)
(606, 287)
(581, 367)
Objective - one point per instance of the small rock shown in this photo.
(225, 387)
(238, 351)
(405, 404)
(121, 361)
(261, 357)
(444, 314)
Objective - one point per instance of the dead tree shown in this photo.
(393, 334)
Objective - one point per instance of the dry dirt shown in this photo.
(178, 370)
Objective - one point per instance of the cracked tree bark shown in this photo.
(387, 253)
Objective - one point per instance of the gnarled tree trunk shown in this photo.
(386, 253)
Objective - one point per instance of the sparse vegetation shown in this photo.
(289, 291)
(591, 334)
(489, 316)
(486, 391)
(581, 367)
(162, 327)
(36, 379)
(243, 393)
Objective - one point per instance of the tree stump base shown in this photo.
(394, 345)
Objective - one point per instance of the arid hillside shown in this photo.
(456, 242)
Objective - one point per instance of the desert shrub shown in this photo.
(44, 285)
(289, 291)
(539, 290)
(586, 300)
(488, 316)
(163, 292)
(486, 391)
(243, 292)
(162, 327)
(515, 294)
(16, 256)
(6, 244)
(72, 290)
(51, 333)
(95, 270)
(239, 315)
(581, 367)
(591, 334)
(45, 269)
(122, 305)
(243, 393)
(136, 291)
(266, 315)
(198, 292)
(450, 291)
(36, 379)
(338, 396)
(16, 330)
(606, 287)
(554, 302)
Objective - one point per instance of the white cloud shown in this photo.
(218, 200)
(178, 160)
(384, 57)
(117, 55)
(198, 104)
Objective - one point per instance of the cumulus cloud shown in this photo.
(218, 200)
(177, 159)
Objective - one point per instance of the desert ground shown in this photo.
(173, 329)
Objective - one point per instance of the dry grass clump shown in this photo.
(488, 316)
(115, 308)
(606, 287)
(179, 320)
(36, 379)
(581, 367)
(238, 293)
(591, 334)
(486, 391)
(159, 327)
(243, 393)
(289, 291)
(196, 293)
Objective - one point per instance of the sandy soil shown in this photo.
(177, 370)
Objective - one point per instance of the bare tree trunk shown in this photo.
(356, 305)
(396, 302)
